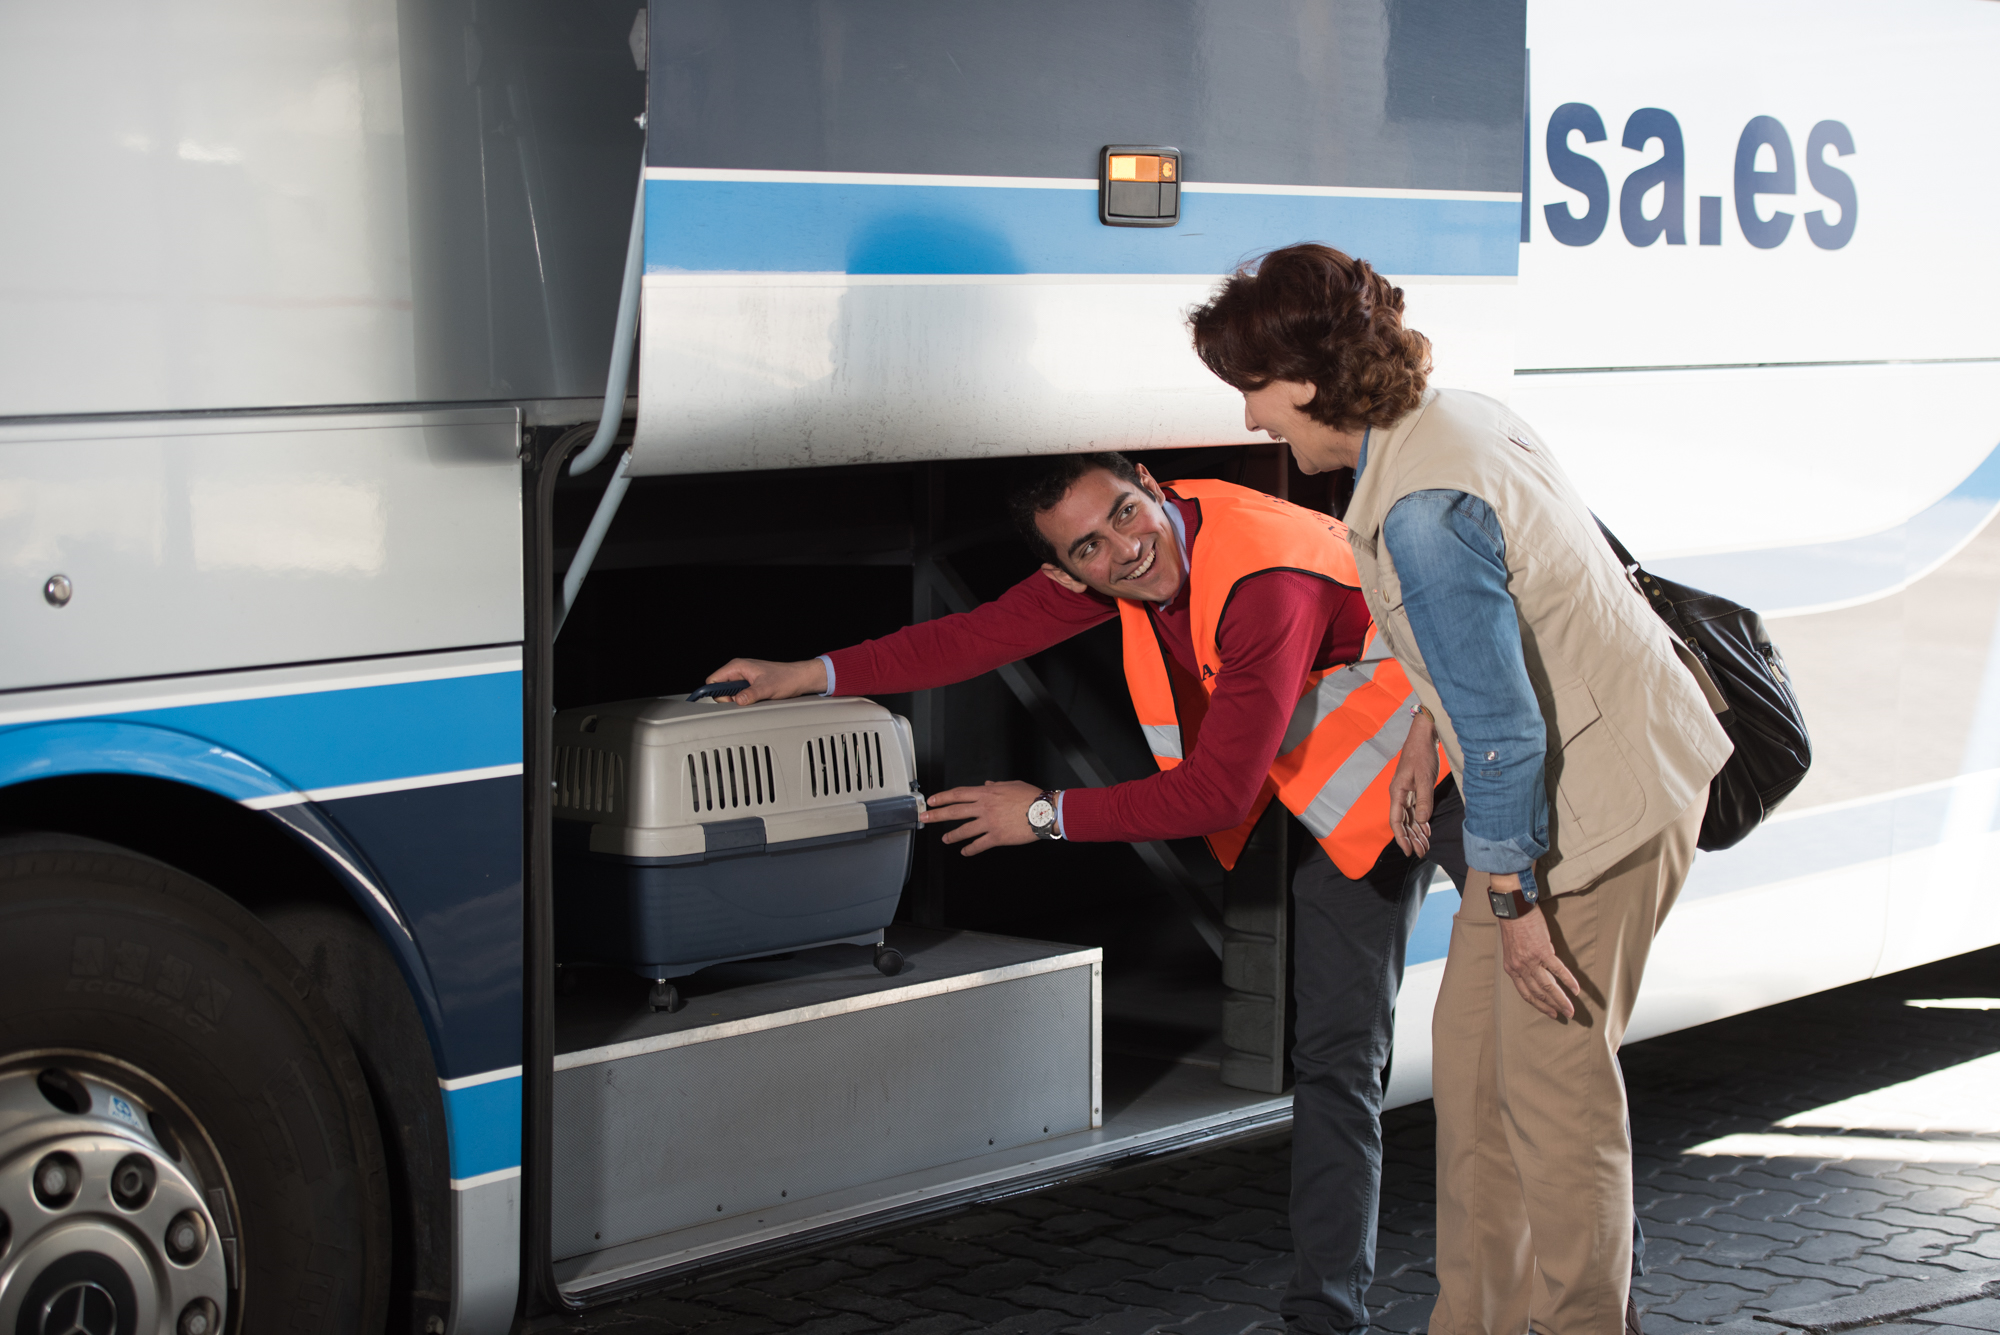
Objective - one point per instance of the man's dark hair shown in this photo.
(1044, 490)
(1313, 314)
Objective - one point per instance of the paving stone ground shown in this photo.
(1199, 1246)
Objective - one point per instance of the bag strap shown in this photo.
(1663, 607)
(1649, 589)
(1617, 547)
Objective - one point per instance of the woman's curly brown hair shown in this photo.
(1312, 314)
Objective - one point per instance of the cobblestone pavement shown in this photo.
(1811, 1153)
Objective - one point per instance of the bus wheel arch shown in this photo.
(120, 972)
(266, 868)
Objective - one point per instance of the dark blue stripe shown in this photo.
(450, 856)
(824, 227)
(485, 1127)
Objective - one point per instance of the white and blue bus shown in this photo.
(322, 411)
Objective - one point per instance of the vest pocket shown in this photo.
(1596, 794)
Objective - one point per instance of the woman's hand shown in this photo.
(994, 813)
(1530, 958)
(771, 681)
(1413, 787)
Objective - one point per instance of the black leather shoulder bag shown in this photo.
(1773, 749)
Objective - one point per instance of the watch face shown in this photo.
(1041, 813)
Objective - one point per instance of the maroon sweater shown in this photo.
(1280, 625)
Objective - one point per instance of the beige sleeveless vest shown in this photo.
(1633, 739)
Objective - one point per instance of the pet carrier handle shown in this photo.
(716, 688)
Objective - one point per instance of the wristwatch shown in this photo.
(1513, 904)
(1042, 815)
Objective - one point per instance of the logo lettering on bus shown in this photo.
(1765, 171)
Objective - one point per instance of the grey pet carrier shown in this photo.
(688, 834)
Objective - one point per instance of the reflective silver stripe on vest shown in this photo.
(1316, 705)
(1164, 739)
(1347, 783)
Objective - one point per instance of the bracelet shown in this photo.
(1417, 711)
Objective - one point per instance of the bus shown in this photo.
(392, 395)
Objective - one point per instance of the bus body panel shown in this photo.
(879, 230)
(1806, 426)
(234, 204)
(204, 545)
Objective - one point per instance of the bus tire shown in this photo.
(122, 975)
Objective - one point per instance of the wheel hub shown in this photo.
(104, 1227)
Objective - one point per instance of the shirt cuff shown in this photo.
(1501, 857)
(826, 660)
(1061, 793)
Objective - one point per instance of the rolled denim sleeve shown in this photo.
(1451, 557)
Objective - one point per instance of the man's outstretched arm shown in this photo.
(1025, 620)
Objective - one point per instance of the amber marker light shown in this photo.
(1138, 185)
(1140, 167)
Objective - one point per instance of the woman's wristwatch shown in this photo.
(1509, 903)
(1042, 814)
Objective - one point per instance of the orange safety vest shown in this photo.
(1338, 755)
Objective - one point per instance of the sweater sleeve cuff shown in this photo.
(846, 673)
(1084, 816)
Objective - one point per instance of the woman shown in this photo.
(1583, 742)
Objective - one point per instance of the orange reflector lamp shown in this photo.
(1139, 186)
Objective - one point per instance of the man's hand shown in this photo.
(994, 813)
(1413, 787)
(771, 681)
(1529, 957)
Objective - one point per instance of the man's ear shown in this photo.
(1064, 578)
(1153, 488)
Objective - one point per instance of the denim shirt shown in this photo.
(1450, 555)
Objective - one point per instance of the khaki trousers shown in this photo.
(1534, 1158)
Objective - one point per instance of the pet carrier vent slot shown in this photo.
(844, 762)
(725, 778)
(589, 780)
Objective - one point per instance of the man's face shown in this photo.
(1114, 538)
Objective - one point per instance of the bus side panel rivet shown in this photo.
(57, 590)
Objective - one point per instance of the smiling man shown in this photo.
(1249, 656)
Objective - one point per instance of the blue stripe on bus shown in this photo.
(1852, 570)
(1430, 938)
(484, 1125)
(332, 738)
(109, 746)
(829, 227)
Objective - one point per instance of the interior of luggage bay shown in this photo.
(1094, 1001)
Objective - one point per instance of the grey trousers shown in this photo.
(1348, 941)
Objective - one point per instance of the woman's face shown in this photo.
(1278, 410)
